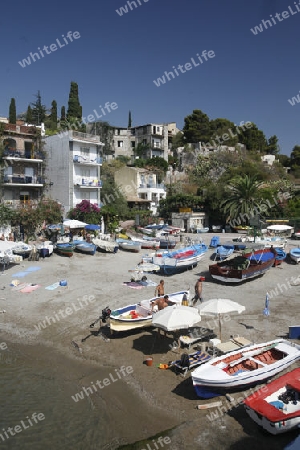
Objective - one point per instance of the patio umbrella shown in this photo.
(218, 307)
(267, 302)
(176, 317)
(72, 223)
(92, 227)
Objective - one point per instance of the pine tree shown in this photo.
(12, 111)
(29, 115)
(53, 115)
(74, 107)
(38, 110)
(129, 119)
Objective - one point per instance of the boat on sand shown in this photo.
(276, 406)
(242, 368)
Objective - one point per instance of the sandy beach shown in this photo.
(145, 402)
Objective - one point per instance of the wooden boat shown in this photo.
(138, 315)
(276, 406)
(65, 248)
(106, 246)
(85, 247)
(295, 255)
(129, 246)
(181, 259)
(241, 268)
(243, 368)
(224, 251)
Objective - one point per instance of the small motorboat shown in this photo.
(65, 248)
(276, 406)
(244, 367)
(181, 259)
(139, 315)
(295, 255)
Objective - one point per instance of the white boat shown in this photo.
(138, 315)
(22, 249)
(295, 254)
(106, 246)
(129, 246)
(276, 406)
(243, 368)
(181, 259)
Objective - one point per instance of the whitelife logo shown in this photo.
(53, 47)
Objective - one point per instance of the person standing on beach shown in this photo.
(198, 291)
(160, 289)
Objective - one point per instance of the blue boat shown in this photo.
(85, 247)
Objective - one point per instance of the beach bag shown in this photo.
(185, 360)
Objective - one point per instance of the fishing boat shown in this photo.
(276, 406)
(65, 248)
(106, 246)
(85, 247)
(129, 246)
(295, 255)
(181, 259)
(279, 253)
(138, 315)
(243, 368)
(224, 251)
(242, 268)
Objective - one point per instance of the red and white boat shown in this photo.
(276, 406)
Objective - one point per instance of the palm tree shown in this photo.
(244, 201)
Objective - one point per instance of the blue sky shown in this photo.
(117, 58)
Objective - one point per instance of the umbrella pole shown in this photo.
(220, 330)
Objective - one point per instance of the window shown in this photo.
(158, 129)
(132, 144)
(144, 142)
(154, 129)
(120, 144)
(85, 152)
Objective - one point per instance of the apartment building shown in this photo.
(73, 167)
(22, 177)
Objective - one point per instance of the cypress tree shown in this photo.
(12, 111)
(29, 115)
(74, 107)
(129, 119)
(63, 113)
(38, 110)
(53, 115)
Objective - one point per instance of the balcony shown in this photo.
(17, 204)
(152, 186)
(88, 183)
(79, 159)
(21, 156)
(22, 179)
(84, 137)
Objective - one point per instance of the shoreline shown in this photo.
(168, 399)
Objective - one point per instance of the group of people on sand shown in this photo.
(163, 300)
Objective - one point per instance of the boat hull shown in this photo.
(265, 414)
(295, 255)
(181, 259)
(233, 371)
(130, 246)
(65, 249)
(232, 271)
(88, 249)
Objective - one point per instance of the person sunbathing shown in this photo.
(160, 303)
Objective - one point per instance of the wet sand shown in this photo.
(160, 399)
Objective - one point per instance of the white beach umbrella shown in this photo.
(218, 307)
(176, 317)
(72, 223)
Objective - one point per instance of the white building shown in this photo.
(142, 184)
(73, 168)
